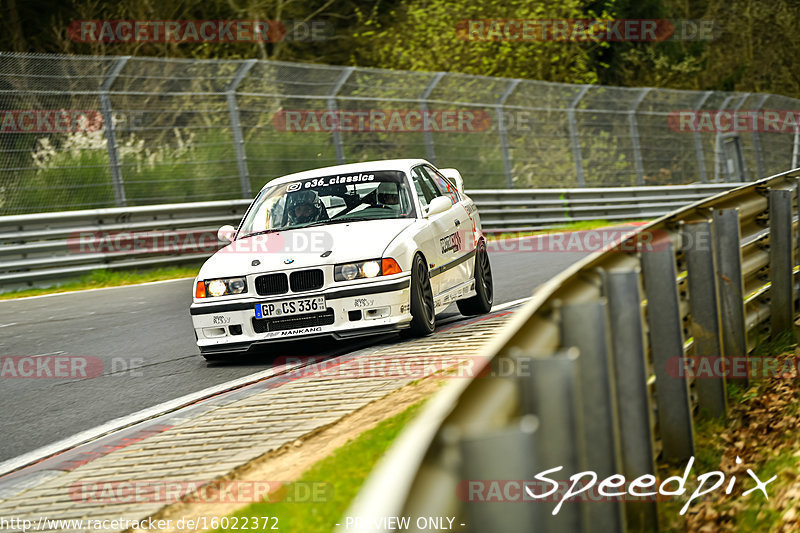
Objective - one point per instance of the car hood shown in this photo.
(304, 247)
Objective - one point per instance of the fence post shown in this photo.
(634, 129)
(704, 304)
(780, 261)
(666, 345)
(503, 134)
(550, 391)
(513, 452)
(757, 141)
(623, 291)
(236, 126)
(718, 144)
(111, 135)
(698, 140)
(333, 108)
(585, 326)
(573, 136)
(728, 256)
(726, 173)
(423, 106)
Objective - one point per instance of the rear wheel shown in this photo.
(481, 303)
(423, 320)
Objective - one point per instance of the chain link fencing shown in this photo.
(79, 132)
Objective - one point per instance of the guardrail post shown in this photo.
(550, 391)
(423, 106)
(585, 326)
(698, 140)
(704, 303)
(236, 126)
(575, 140)
(333, 108)
(780, 261)
(634, 129)
(757, 141)
(623, 291)
(503, 134)
(512, 458)
(110, 130)
(728, 256)
(666, 344)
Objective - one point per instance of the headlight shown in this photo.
(349, 272)
(220, 287)
(370, 269)
(366, 269)
(216, 287)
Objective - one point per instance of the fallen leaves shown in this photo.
(766, 425)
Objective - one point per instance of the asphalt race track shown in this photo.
(143, 336)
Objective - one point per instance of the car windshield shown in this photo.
(329, 200)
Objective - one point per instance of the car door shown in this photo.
(465, 224)
(446, 240)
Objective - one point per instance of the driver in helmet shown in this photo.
(388, 195)
(306, 207)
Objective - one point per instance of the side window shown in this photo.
(443, 184)
(425, 188)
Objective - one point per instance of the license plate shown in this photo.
(297, 306)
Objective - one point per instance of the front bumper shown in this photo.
(362, 309)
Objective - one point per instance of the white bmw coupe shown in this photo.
(344, 251)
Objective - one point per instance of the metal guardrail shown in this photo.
(47, 247)
(586, 381)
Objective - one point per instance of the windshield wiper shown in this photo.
(354, 219)
(262, 232)
(333, 221)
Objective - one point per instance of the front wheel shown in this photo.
(423, 316)
(481, 303)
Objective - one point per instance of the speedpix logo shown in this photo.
(452, 243)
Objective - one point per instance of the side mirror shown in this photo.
(226, 233)
(440, 204)
(455, 175)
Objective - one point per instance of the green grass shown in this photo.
(109, 278)
(343, 472)
(581, 225)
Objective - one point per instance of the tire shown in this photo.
(423, 320)
(481, 303)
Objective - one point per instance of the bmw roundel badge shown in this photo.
(288, 261)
